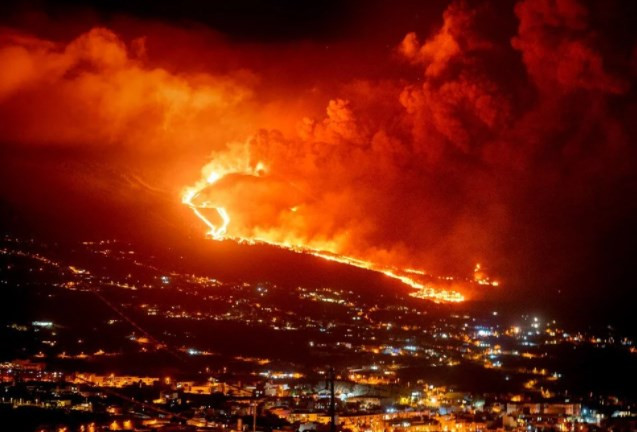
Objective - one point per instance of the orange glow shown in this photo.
(217, 170)
(295, 183)
(481, 278)
(391, 148)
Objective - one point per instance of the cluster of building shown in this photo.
(380, 344)
(290, 402)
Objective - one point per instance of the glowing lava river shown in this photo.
(198, 199)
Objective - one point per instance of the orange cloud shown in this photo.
(94, 90)
(558, 47)
(476, 146)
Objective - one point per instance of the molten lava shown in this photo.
(198, 198)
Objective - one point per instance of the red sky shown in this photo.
(434, 136)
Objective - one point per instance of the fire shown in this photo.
(212, 173)
(481, 278)
(219, 168)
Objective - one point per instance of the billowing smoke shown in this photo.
(511, 147)
(446, 171)
(96, 91)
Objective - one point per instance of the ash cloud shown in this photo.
(512, 146)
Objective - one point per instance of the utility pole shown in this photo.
(330, 382)
(254, 417)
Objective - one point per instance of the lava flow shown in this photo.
(220, 169)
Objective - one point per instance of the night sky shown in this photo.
(428, 135)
